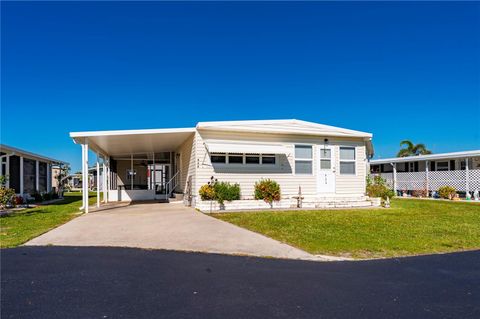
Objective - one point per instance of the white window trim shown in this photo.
(302, 159)
(347, 161)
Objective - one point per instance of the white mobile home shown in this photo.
(27, 173)
(328, 163)
(429, 172)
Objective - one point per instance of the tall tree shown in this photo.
(411, 149)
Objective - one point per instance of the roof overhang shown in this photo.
(290, 127)
(9, 150)
(446, 156)
(115, 143)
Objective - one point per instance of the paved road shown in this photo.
(69, 282)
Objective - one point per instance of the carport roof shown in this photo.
(133, 141)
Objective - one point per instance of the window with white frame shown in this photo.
(303, 159)
(243, 159)
(347, 161)
(442, 166)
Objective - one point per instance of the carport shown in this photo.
(135, 165)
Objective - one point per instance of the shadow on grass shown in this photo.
(66, 200)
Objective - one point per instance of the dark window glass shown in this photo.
(218, 158)
(252, 159)
(235, 159)
(268, 160)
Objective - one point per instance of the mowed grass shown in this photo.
(409, 227)
(18, 228)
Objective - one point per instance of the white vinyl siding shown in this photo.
(186, 163)
(283, 169)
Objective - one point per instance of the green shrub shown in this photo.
(47, 196)
(225, 191)
(447, 192)
(377, 187)
(207, 192)
(37, 197)
(219, 191)
(268, 190)
(7, 196)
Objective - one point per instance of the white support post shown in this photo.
(49, 177)
(109, 179)
(394, 177)
(21, 176)
(98, 181)
(7, 172)
(37, 173)
(467, 181)
(104, 180)
(59, 189)
(154, 176)
(131, 171)
(427, 177)
(85, 176)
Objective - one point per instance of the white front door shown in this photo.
(325, 170)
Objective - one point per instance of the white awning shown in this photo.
(249, 148)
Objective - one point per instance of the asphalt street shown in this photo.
(84, 282)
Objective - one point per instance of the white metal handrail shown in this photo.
(168, 187)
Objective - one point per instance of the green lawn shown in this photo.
(410, 227)
(17, 228)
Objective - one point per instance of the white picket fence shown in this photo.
(434, 180)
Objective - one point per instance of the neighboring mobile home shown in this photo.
(429, 172)
(328, 163)
(26, 172)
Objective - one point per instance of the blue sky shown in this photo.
(400, 70)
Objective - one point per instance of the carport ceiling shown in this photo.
(114, 143)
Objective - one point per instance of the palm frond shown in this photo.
(421, 149)
(404, 153)
(408, 143)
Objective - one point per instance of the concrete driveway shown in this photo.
(165, 226)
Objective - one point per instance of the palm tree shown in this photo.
(412, 149)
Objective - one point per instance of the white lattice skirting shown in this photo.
(435, 180)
